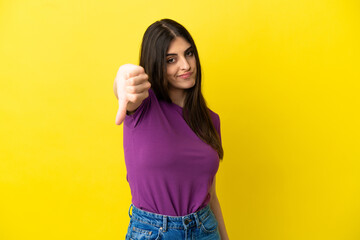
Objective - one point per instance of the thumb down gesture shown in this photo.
(131, 87)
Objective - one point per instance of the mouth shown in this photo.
(185, 75)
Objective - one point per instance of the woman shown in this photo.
(172, 143)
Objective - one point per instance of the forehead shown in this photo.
(178, 44)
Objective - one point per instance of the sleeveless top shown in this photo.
(169, 168)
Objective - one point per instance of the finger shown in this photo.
(136, 70)
(138, 88)
(137, 79)
(135, 97)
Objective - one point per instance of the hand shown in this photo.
(132, 88)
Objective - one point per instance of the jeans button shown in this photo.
(187, 221)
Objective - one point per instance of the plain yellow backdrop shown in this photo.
(282, 75)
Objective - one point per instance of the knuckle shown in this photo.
(142, 77)
(146, 79)
(131, 89)
(131, 81)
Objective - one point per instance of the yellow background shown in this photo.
(283, 75)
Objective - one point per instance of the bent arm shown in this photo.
(215, 207)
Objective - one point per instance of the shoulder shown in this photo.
(214, 116)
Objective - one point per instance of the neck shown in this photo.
(177, 96)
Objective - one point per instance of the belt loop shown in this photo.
(130, 215)
(165, 223)
(197, 219)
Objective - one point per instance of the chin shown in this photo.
(188, 86)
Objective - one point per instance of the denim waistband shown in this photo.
(176, 222)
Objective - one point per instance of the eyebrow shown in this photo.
(170, 54)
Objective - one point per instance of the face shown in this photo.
(180, 65)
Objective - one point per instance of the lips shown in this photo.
(186, 75)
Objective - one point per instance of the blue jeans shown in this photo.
(146, 225)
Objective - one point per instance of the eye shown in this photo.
(170, 60)
(190, 53)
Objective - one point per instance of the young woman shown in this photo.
(172, 142)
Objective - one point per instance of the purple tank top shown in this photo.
(169, 168)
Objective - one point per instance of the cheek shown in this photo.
(170, 71)
(193, 63)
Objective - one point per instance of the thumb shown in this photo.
(123, 101)
(121, 113)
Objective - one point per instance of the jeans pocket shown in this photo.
(209, 224)
(143, 231)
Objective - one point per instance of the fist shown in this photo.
(132, 87)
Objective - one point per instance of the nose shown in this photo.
(185, 65)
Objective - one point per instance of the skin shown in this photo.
(215, 207)
(132, 85)
(180, 60)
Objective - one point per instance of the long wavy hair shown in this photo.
(154, 47)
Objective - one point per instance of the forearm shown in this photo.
(215, 207)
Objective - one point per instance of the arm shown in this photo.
(215, 207)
